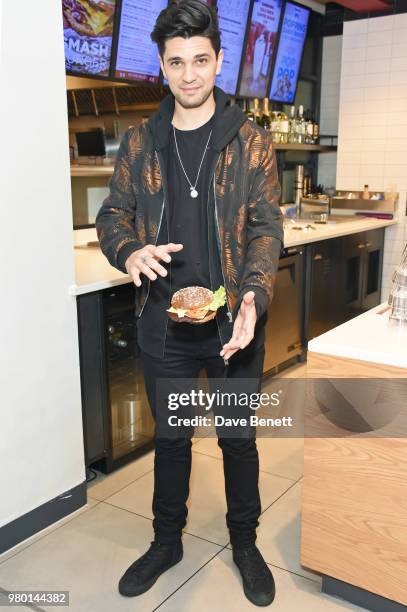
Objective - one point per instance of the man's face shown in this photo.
(191, 66)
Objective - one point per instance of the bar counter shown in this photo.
(354, 510)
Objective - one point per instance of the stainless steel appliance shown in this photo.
(381, 203)
(298, 183)
(316, 207)
(284, 321)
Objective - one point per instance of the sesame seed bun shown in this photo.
(194, 300)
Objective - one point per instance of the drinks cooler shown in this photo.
(117, 421)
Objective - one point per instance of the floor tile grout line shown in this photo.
(152, 470)
(148, 518)
(190, 577)
(293, 483)
(216, 555)
(220, 546)
(264, 471)
(98, 502)
(32, 607)
(194, 535)
(280, 496)
(38, 537)
(285, 569)
(88, 490)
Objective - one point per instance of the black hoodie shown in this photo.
(153, 324)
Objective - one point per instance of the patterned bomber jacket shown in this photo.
(245, 194)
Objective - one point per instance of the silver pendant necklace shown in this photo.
(193, 192)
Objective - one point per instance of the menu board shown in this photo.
(137, 55)
(88, 30)
(289, 54)
(260, 48)
(232, 22)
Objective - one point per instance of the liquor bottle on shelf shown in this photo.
(292, 135)
(306, 186)
(241, 103)
(366, 194)
(275, 126)
(265, 120)
(309, 128)
(284, 127)
(300, 125)
(249, 110)
(315, 129)
(257, 115)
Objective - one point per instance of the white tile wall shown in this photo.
(372, 116)
(331, 73)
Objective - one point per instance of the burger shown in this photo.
(196, 304)
(89, 17)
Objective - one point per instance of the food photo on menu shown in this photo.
(260, 47)
(88, 30)
(289, 54)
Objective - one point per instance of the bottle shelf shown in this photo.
(305, 147)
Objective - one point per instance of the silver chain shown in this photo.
(191, 186)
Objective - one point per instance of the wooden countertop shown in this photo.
(86, 170)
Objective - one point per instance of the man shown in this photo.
(196, 187)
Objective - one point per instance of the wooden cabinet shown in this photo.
(363, 260)
(373, 268)
(324, 279)
(353, 516)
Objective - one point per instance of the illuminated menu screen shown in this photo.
(232, 22)
(88, 31)
(137, 55)
(260, 48)
(289, 54)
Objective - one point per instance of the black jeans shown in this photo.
(188, 349)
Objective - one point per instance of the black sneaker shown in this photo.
(142, 574)
(258, 581)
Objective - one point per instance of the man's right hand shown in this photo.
(136, 265)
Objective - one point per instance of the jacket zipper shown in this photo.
(220, 253)
(208, 218)
(155, 244)
(168, 240)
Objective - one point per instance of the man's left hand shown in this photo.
(243, 327)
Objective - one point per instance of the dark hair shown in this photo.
(187, 18)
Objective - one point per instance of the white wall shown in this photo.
(40, 407)
(372, 146)
(330, 86)
(1, 11)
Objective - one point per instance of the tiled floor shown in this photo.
(87, 552)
